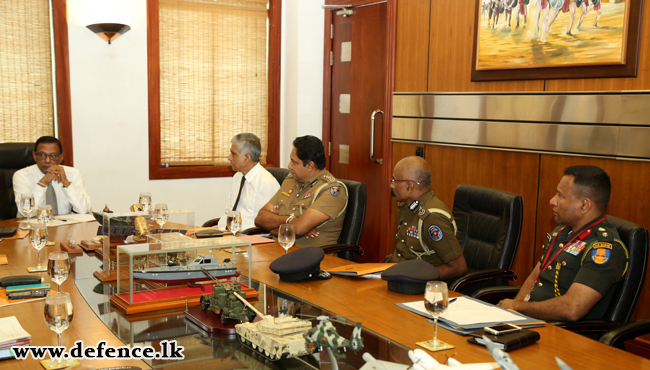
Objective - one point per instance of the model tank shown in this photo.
(226, 300)
(275, 338)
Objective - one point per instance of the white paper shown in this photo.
(10, 330)
(464, 311)
(83, 217)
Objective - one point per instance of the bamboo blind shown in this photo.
(213, 78)
(26, 112)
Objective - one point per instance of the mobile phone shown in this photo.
(501, 329)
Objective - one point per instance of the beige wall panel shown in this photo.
(412, 45)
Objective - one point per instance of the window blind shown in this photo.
(27, 109)
(213, 78)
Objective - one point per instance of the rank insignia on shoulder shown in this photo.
(335, 190)
(308, 195)
(601, 229)
(548, 236)
(435, 233)
(422, 211)
(290, 191)
(604, 235)
(314, 183)
(286, 194)
(412, 232)
(600, 255)
(329, 178)
(602, 245)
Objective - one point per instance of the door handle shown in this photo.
(372, 137)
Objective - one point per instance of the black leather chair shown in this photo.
(279, 173)
(616, 337)
(489, 226)
(348, 243)
(627, 294)
(13, 156)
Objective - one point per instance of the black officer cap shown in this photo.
(410, 277)
(301, 264)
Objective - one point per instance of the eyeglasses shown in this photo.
(393, 181)
(43, 156)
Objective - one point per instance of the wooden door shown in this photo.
(359, 87)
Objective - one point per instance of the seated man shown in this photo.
(62, 187)
(310, 198)
(583, 261)
(426, 229)
(252, 185)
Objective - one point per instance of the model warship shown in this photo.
(176, 273)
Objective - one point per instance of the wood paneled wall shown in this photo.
(450, 44)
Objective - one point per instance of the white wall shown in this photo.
(109, 100)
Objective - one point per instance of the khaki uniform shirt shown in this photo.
(322, 193)
(596, 258)
(436, 231)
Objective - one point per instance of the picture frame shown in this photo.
(504, 51)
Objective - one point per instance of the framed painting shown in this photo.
(549, 39)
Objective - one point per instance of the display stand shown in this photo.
(169, 274)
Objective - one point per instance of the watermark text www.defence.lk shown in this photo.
(169, 350)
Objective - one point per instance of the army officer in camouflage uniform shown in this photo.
(583, 261)
(426, 229)
(310, 198)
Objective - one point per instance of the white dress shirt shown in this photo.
(260, 186)
(74, 197)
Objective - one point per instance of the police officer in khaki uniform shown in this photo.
(310, 198)
(583, 261)
(426, 229)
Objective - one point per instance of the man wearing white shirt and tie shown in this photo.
(252, 186)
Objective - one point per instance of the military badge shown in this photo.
(604, 235)
(435, 233)
(412, 232)
(600, 255)
(601, 229)
(290, 191)
(308, 195)
(286, 194)
(602, 245)
(329, 178)
(335, 190)
(314, 183)
(422, 211)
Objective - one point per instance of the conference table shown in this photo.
(388, 330)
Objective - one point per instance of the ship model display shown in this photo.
(175, 273)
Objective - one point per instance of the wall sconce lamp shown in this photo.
(109, 31)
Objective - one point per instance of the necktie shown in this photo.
(241, 187)
(50, 198)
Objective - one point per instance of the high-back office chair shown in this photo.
(489, 226)
(13, 156)
(627, 294)
(629, 331)
(279, 173)
(355, 214)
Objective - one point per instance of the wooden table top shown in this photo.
(365, 300)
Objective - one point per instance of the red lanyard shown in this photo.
(580, 236)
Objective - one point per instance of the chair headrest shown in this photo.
(16, 155)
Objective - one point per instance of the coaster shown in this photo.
(52, 364)
(36, 269)
(442, 347)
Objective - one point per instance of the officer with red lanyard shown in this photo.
(583, 261)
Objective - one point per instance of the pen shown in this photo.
(451, 300)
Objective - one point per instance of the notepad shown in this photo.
(12, 334)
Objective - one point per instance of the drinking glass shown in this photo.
(161, 216)
(38, 238)
(436, 299)
(145, 200)
(58, 267)
(27, 206)
(44, 214)
(286, 236)
(58, 314)
(234, 222)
